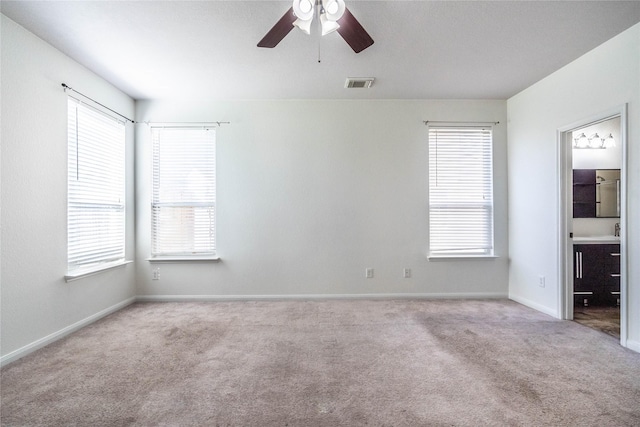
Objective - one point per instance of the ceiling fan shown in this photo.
(334, 16)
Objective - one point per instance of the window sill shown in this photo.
(432, 257)
(80, 274)
(179, 259)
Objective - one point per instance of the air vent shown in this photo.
(359, 82)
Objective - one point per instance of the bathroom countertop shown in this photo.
(594, 240)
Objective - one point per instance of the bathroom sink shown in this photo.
(596, 239)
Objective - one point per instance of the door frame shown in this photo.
(565, 219)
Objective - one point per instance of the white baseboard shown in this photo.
(29, 348)
(633, 345)
(535, 306)
(205, 298)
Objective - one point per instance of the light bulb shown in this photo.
(306, 6)
(303, 9)
(333, 9)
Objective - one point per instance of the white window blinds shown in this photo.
(460, 191)
(184, 191)
(96, 188)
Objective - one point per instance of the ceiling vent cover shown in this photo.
(359, 82)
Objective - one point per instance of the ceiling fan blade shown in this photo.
(279, 31)
(353, 33)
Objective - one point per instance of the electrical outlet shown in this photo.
(156, 274)
(541, 281)
(406, 273)
(369, 273)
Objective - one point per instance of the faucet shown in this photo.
(616, 229)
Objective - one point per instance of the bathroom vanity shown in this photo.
(596, 268)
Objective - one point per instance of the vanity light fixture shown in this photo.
(581, 141)
(594, 141)
(608, 142)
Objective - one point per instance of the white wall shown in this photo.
(607, 77)
(36, 302)
(310, 193)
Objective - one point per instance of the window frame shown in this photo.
(92, 194)
(165, 256)
(484, 200)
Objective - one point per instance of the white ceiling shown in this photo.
(423, 49)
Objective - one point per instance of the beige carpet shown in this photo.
(326, 363)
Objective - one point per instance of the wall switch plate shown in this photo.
(541, 281)
(369, 273)
(156, 274)
(406, 273)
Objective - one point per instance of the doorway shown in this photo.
(593, 222)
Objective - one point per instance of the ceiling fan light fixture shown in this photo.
(328, 26)
(333, 16)
(305, 26)
(333, 9)
(304, 9)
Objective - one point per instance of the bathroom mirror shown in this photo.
(608, 193)
(596, 193)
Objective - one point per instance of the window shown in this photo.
(96, 189)
(460, 191)
(183, 204)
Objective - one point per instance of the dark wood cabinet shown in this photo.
(596, 278)
(584, 193)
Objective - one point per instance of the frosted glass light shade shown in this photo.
(328, 26)
(609, 142)
(333, 9)
(581, 141)
(595, 141)
(303, 9)
(305, 26)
